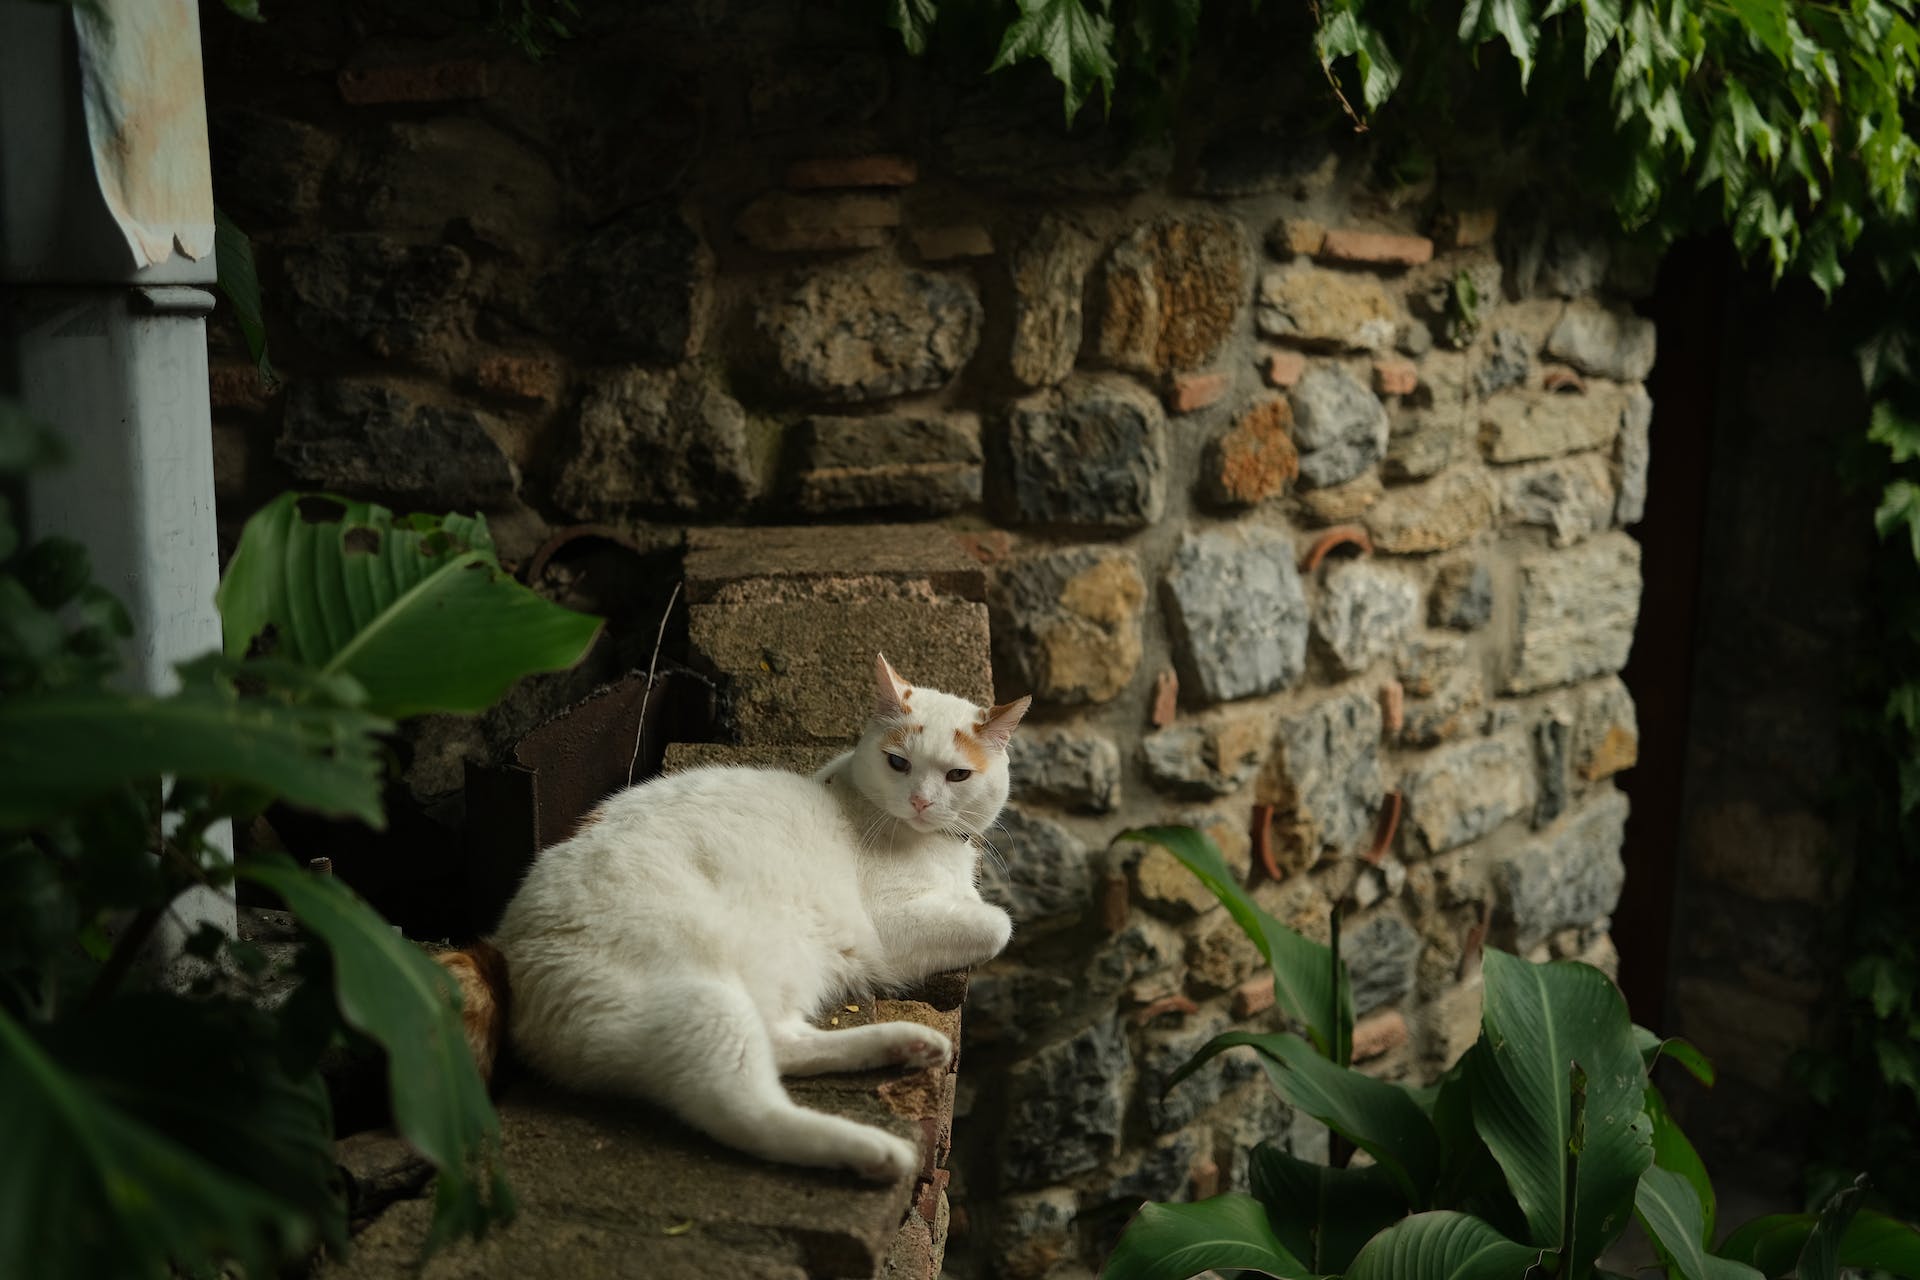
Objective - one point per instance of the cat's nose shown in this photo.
(920, 803)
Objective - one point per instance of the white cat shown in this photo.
(680, 945)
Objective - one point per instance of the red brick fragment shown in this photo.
(1162, 1007)
(236, 386)
(990, 547)
(1204, 1178)
(1376, 248)
(1395, 377)
(1114, 901)
(533, 378)
(1255, 995)
(1339, 536)
(1564, 380)
(1378, 1034)
(852, 171)
(457, 81)
(1194, 391)
(1262, 839)
(1385, 826)
(1166, 699)
(927, 1202)
(1284, 368)
(1393, 706)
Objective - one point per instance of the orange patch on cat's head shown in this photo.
(971, 748)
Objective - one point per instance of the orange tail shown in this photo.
(481, 971)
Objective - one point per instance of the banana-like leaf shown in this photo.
(87, 1190)
(1871, 1241)
(1669, 1208)
(1442, 1246)
(1176, 1241)
(1820, 1255)
(417, 608)
(1540, 1023)
(60, 749)
(1381, 1119)
(1324, 1215)
(1304, 983)
(1653, 1048)
(388, 989)
(1673, 1151)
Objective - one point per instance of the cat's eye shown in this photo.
(959, 775)
(897, 763)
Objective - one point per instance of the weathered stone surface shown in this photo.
(1365, 610)
(1342, 502)
(782, 222)
(1238, 159)
(1212, 754)
(920, 462)
(1042, 873)
(1049, 279)
(1523, 425)
(1170, 292)
(424, 176)
(1554, 261)
(1608, 344)
(1161, 1172)
(866, 331)
(1162, 884)
(946, 243)
(370, 295)
(1395, 377)
(1552, 739)
(1079, 768)
(1219, 955)
(1463, 792)
(879, 170)
(1767, 849)
(1432, 516)
(667, 441)
(1236, 612)
(1014, 1003)
(1462, 597)
(1381, 953)
(271, 169)
(835, 561)
(1256, 459)
(369, 438)
(1576, 613)
(1632, 456)
(1324, 780)
(1507, 360)
(1163, 1053)
(1066, 624)
(1569, 497)
(1433, 427)
(1570, 875)
(1427, 660)
(1091, 454)
(1034, 1234)
(1337, 310)
(1066, 1107)
(1446, 712)
(1340, 427)
(1606, 730)
(645, 278)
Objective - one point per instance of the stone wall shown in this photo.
(1299, 497)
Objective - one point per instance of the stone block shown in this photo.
(801, 562)
(1569, 875)
(782, 222)
(1375, 248)
(1339, 427)
(1569, 497)
(1158, 1173)
(1748, 1034)
(1049, 271)
(1364, 612)
(926, 463)
(651, 440)
(1067, 623)
(1445, 713)
(1605, 343)
(1576, 613)
(645, 278)
(1462, 596)
(1255, 460)
(1323, 779)
(852, 171)
(947, 243)
(1220, 957)
(1065, 1107)
(1381, 953)
(1772, 852)
(1461, 793)
(1091, 454)
(1034, 1235)
(1331, 310)
(368, 438)
(1520, 426)
(425, 176)
(1170, 292)
(370, 295)
(1078, 768)
(1606, 731)
(1211, 754)
(1163, 1053)
(271, 169)
(866, 330)
(1042, 873)
(451, 80)
(1237, 614)
(1505, 362)
(1435, 515)
(1427, 661)
(1432, 426)
(1632, 456)
(526, 378)
(1342, 502)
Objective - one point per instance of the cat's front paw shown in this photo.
(885, 1158)
(920, 1047)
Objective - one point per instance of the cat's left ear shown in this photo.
(999, 725)
(891, 693)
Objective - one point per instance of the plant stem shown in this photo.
(125, 948)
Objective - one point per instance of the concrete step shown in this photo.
(796, 555)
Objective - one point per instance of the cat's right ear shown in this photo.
(891, 693)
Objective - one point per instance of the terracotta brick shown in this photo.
(1564, 380)
(1378, 1034)
(457, 81)
(1376, 248)
(1166, 699)
(926, 1200)
(990, 547)
(237, 386)
(940, 244)
(1284, 368)
(1162, 1007)
(1195, 391)
(1255, 995)
(1205, 1178)
(852, 171)
(782, 222)
(519, 377)
(1115, 899)
(1395, 377)
(1393, 707)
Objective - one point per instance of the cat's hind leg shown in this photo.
(700, 1048)
(802, 1049)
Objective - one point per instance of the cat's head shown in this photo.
(933, 761)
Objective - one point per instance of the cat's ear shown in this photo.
(891, 693)
(1000, 721)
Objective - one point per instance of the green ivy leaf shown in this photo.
(1889, 426)
(1900, 506)
(1076, 45)
(236, 276)
(1511, 20)
(913, 19)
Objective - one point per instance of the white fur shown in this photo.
(681, 946)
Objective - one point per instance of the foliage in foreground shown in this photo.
(180, 1129)
(1528, 1158)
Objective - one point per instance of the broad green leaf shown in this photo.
(1511, 20)
(389, 990)
(1820, 1255)
(1900, 507)
(1540, 1021)
(1381, 1119)
(1653, 1048)
(1602, 29)
(1442, 1246)
(87, 1190)
(1896, 430)
(913, 19)
(1673, 1151)
(1324, 1215)
(1671, 1213)
(1768, 22)
(62, 748)
(1176, 1241)
(237, 277)
(416, 608)
(1303, 983)
(1344, 33)
(1076, 45)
